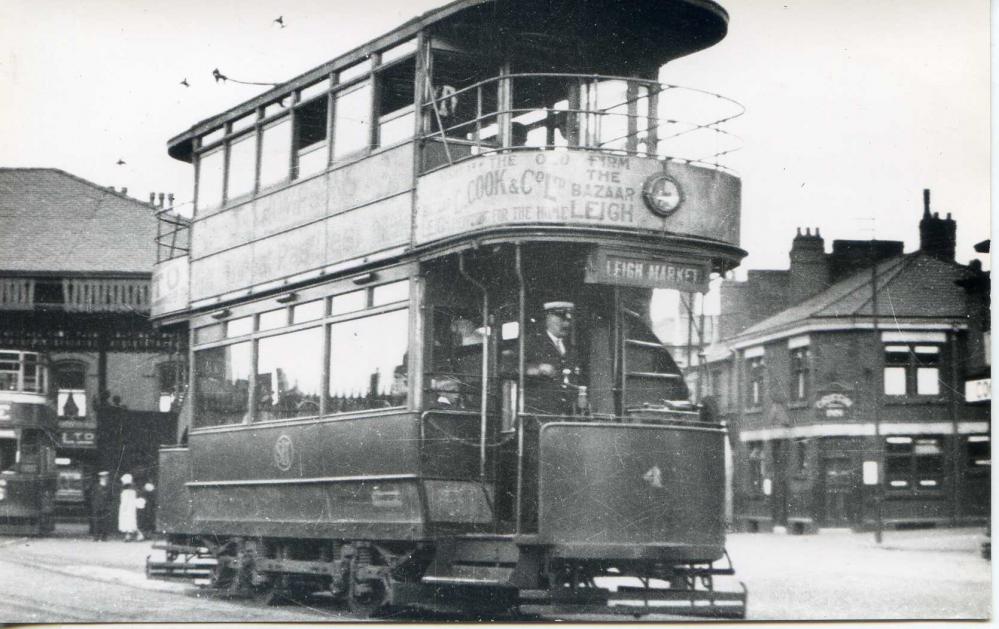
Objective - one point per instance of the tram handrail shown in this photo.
(586, 121)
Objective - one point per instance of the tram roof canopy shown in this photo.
(615, 37)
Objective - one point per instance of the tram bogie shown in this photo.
(448, 393)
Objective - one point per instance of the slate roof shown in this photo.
(52, 221)
(912, 286)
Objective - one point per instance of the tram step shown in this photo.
(447, 595)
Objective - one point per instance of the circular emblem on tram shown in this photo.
(284, 453)
(662, 194)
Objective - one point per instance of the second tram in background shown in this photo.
(417, 281)
(27, 447)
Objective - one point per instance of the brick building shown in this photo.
(848, 370)
(75, 266)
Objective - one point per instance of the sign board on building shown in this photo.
(978, 390)
(835, 405)
(632, 269)
(870, 472)
(78, 438)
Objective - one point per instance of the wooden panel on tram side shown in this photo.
(450, 446)
(302, 248)
(347, 213)
(363, 446)
(369, 229)
(573, 189)
(335, 478)
(376, 177)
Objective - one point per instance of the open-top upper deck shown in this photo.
(482, 119)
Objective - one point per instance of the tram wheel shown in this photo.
(365, 596)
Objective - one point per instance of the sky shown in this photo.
(853, 106)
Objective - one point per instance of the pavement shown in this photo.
(928, 574)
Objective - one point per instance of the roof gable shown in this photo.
(52, 221)
(916, 285)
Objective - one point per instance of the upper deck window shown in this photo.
(398, 51)
(354, 72)
(243, 122)
(275, 153)
(311, 91)
(352, 125)
(396, 113)
(311, 120)
(242, 166)
(210, 177)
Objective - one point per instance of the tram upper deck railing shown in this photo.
(617, 115)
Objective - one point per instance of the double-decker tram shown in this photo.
(27, 448)
(424, 370)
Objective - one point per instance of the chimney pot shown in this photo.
(161, 199)
(152, 198)
(926, 201)
(124, 190)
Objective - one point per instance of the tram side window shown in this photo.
(210, 176)
(8, 453)
(288, 375)
(368, 362)
(395, 102)
(352, 121)
(310, 136)
(10, 367)
(222, 380)
(275, 153)
(242, 174)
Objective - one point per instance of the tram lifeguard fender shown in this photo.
(632, 491)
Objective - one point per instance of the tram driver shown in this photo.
(550, 363)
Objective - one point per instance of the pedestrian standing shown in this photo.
(147, 516)
(128, 505)
(101, 501)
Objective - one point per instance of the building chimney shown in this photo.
(937, 236)
(809, 272)
(152, 198)
(124, 190)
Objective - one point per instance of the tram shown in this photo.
(27, 448)
(382, 254)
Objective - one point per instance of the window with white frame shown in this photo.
(754, 380)
(800, 374)
(914, 463)
(912, 369)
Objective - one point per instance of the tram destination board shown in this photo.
(629, 269)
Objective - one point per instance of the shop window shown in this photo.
(912, 370)
(755, 381)
(914, 463)
(222, 379)
(311, 121)
(288, 375)
(352, 121)
(71, 394)
(368, 362)
(800, 374)
(979, 453)
(275, 153)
